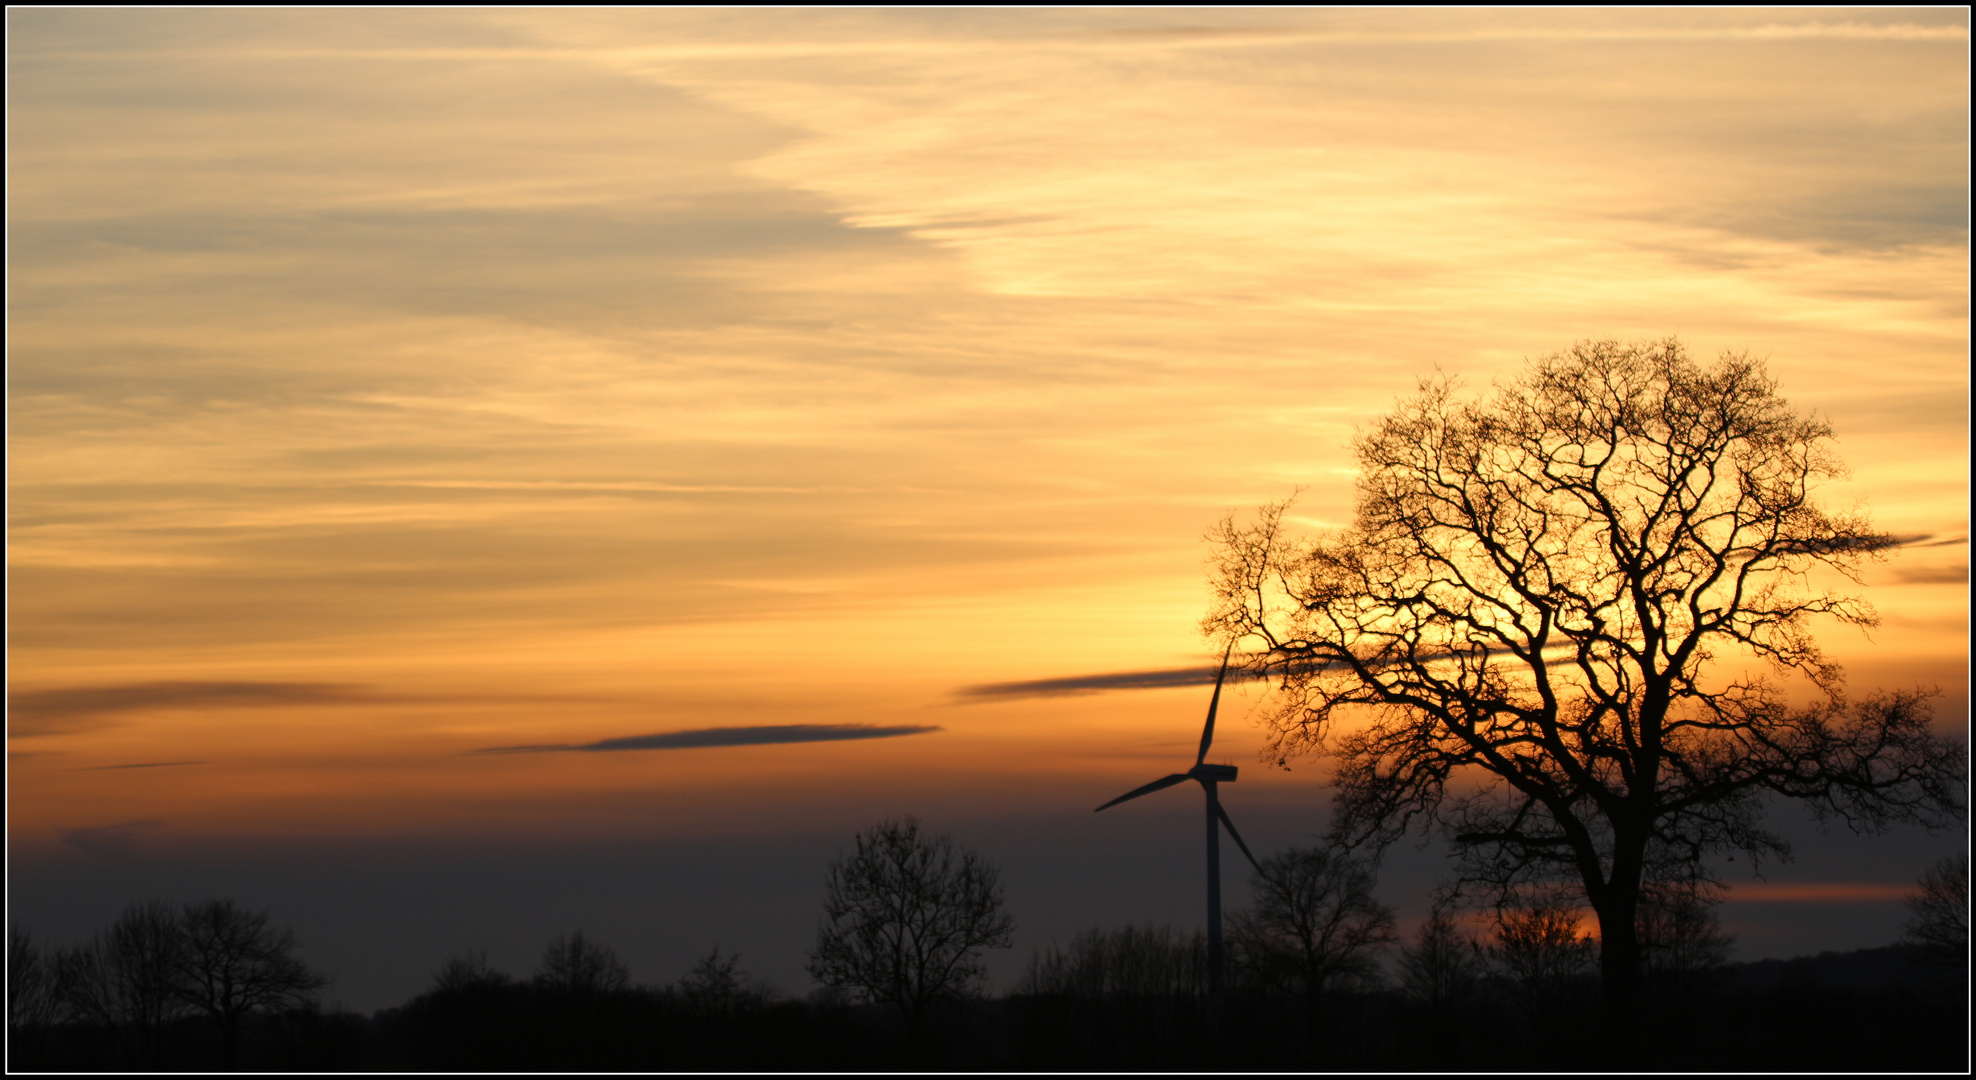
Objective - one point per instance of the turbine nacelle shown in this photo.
(1219, 774)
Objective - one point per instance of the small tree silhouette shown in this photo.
(1938, 912)
(716, 986)
(1314, 922)
(1442, 965)
(1681, 940)
(231, 962)
(577, 967)
(30, 992)
(1128, 962)
(125, 979)
(466, 971)
(1540, 949)
(906, 918)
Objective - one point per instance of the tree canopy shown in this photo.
(906, 918)
(1556, 629)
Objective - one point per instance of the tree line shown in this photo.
(159, 975)
(1319, 976)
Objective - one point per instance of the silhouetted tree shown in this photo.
(716, 986)
(1938, 911)
(30, 991)
(577, 967)
(1128, 962)
(468, 970)
(906, 919)
(125, 979)
(1442, 965)
(1314, 922)
(1681, 939)
(232, 962)
(1542, 951)
(1524, 613)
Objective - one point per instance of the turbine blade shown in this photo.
(1162, 782)
(1207, 733)
(1230, 824)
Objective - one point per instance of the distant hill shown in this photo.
(1889, 967)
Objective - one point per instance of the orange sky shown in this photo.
(387, 385)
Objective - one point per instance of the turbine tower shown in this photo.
(1209, 776)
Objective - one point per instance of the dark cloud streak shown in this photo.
(39, 712)
(48, 712)
(1092, 684)
(764, 735)
(1932, 575)
(1921, 540)
(1161, 679)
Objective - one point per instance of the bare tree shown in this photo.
(1442, 965)
(467, 971)
(232, 962)
(1128, 962)
(575, 966)
(126, 978)
(30, 990)
(1938, 911)
(1681, 939)
(1314, 922)
(906, 918)
(1541, 950)
(716, 986)
(1521, 623)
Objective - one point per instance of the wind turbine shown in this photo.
(1209, 776)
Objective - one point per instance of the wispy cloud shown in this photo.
(1159, 679)
(141, 765)
(47, 712)
(1921, 540)
(42, 712)
(1932, 575)
(697, 738)
(1092, 684)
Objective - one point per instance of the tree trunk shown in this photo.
(230, 1039)
(1619, 948)
(1619, 958)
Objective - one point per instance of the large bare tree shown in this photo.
(1513, 641)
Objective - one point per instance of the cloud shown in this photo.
(110, 841)
(142, 765)
(1927, 540)
(70, 708)
(1091, 684)
(44, 712)
(1136, 680)
(1932, 575)
(762, 735)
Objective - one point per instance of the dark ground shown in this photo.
(1870, 1010)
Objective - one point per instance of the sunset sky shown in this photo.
(388, 386)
